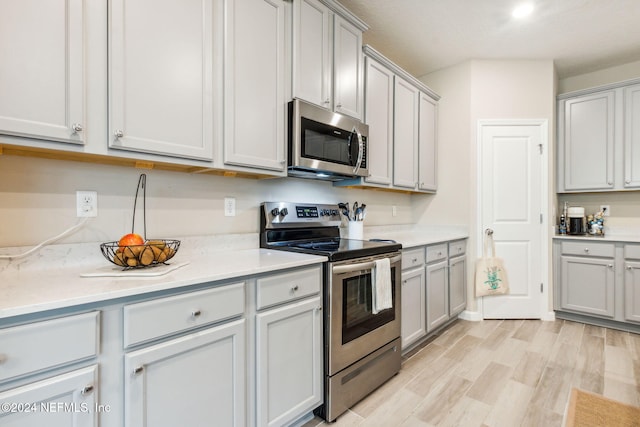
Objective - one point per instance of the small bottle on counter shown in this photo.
(562, 228)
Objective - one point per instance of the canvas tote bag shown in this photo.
(491, 276)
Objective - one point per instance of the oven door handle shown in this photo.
(346, 268)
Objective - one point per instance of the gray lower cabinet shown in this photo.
(632, 291)
(632, 283)
(288, 346)
(434, 288)
(588, 277)
(598, 282)
(413, 322)
(588, 285)
(188, 380)
(65, 400)
(48, 372)
(288, 362)
(457, 284)
(184, 380)
(437, 294)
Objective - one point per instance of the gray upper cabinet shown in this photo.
(379, 117)
(632, 136)
(402, 115)
(42, 80)
(588, 139)
(255, 94)
(161, 77)
(327, 59)
(599, 139)
(405, 134)
(427, 147)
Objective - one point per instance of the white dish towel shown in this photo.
(381, 286)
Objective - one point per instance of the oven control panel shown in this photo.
(300, 214)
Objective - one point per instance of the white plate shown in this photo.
(158, 270)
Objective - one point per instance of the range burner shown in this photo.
(319, 246)
(313, 229)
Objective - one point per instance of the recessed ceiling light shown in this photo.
(522, 11)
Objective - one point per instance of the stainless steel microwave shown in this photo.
(324, 144)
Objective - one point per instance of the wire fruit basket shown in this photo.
(147, 254)
(152, 252)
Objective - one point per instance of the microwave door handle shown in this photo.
(360, 149)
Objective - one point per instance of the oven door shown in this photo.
(354, 331)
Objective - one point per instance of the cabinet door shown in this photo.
(254, 100)
(437, 295)
(427, 147)
(588, 142)
(66, 400)
(161, 77)
(405, 134)
(288, 362)
(347, 63)
(588, 285)
(379, 116)
(457, 285)
(188, 381)
(632, 136)
(312, 59)
(42, 77)
(632, 291)
(413, 306)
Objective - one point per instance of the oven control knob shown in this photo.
(334, 212)
(284, 211)
(275, 211)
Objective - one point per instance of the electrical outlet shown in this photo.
(86, 203)
(394, 210)
(606, 209)
(229, 206)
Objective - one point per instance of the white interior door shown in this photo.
(513, 182)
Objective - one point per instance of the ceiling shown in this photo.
(423, 36)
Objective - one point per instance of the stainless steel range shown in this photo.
(362, 346)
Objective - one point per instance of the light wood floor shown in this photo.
(503, 373)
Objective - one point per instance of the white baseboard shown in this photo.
(550, 316)
(474, 316)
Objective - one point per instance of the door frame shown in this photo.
(546, 313)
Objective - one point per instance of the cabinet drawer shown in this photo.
(41, 345)
(148, 320)
(589, 248)
(412, 258)
(632, 251)
(436, 252)
(458, 247)
(285, 287)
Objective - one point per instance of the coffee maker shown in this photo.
(577, 223)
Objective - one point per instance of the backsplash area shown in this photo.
(38, 201)
(624, 209)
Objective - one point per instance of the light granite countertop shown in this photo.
(52, 278)
(627, 238)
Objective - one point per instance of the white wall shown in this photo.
(600, 77)
(37, 201)
(482, 89)
(451, 204)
